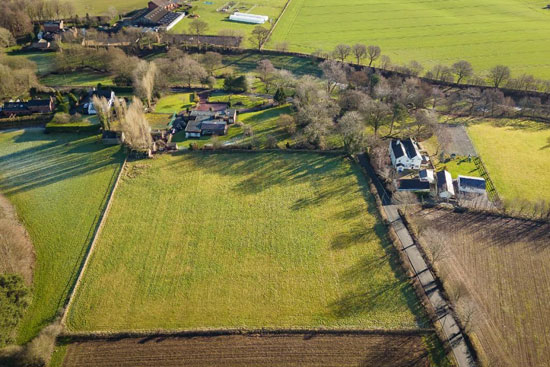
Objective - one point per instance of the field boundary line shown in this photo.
(93, 335)
(90, 250)
(276, 23)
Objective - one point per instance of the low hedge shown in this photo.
(77, 127)
(25, 121)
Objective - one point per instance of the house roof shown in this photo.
(213, 125)
(15, 106)
(472, 182)
(39, 102)
(412, 185)
(445, 182)
(410, 148)
(161, 3)
(155, 15)
(193, 127)
(215, 107)
(397, 148)
(426, 174)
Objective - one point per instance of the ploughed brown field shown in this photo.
(252, 350)
(497, 271)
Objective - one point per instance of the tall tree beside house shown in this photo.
(137, 132)
(144, 80)
(259, 36)
(104, 112)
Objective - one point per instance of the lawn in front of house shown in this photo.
(243, 240)
(237, 100)
(58, 184)
(174, 103)
(516, 154)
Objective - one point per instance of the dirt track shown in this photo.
(252, 350)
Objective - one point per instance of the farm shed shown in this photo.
(473, 185)
(427, 175)
(412, 185)
(248, 18)
(445, 187)
(193, 129)
(214, 127)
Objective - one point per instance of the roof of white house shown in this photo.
(406, 147)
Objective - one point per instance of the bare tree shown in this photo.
(191, 71)
(103, 109)
(373, 53)
(287, 123)
(498, 75)
(265, 70)
(198, 27)
(385, 62)
(341, 52)
(144, 80)
(463, 70)
(259, 36)
(351, 129)
(137, 132)
(334, 73)
(211, 60)
(359, 51)
(376, 113)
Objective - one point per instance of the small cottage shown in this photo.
(405, 154)
(445, 188)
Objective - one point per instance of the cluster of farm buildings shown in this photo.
(408, 161)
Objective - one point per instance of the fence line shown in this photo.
(97, 231)
(492, 192)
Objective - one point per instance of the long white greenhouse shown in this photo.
(248, 18)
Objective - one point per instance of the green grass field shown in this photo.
(58, 184)
(217, 21)
(516, 157)
(509, 32)
(200, 240)
(174, 103)
(100, 7)
(78, 78)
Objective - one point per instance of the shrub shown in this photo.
(14, 299)
(38, 352)
(61, 118)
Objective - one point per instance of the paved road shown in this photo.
(445, 318)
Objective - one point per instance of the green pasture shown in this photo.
(217, 20)
(174, 103)
(101, 7)
(516, 154)
(235, 240)
(248, 61)
(77, 78)
(58, 184)
(237, 100)
(486, 33)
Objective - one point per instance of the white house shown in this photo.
(445, 188)
(471, 185)
(88, 105)
(405, 154)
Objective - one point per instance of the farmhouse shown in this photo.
(87, 105)
(203, 127)
(445, 187)
(248, 18)
(405, 154)
(53, 27)
(471, 185)
(160, 17)
(29, 107)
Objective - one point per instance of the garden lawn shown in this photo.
(235, 240)
(58, 184)
(174, 103)
(516, 157)
(217, 21)
(486, 33)
(237, 100)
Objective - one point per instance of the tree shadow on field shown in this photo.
(489, 229)
(59, 158)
